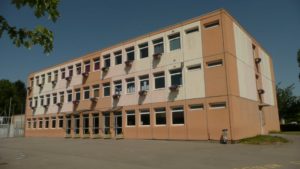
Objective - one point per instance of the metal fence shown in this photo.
(12, 126)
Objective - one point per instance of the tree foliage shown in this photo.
(288, 104)
(298, 59)
(17, 92)
(38, 36)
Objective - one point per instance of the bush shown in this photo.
(290, 127)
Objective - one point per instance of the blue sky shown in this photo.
(87, 26)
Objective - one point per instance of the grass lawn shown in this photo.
(264, 139)
(287, 132)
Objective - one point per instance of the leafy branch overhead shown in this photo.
(38, 36)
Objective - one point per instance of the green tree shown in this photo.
(298, 59)
(288, 104)
(17, 92)
(38, 36)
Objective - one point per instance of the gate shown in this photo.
(12, 126)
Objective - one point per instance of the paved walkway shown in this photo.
(59, 153)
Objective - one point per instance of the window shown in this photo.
(60, 122)
(86, 124)
(95, 124)
(48, 99)
(46, 122)
(37, 80)
(40, 123)
(176, 77)
(54, 98)
(78, 68)
(178, 115)
(130, 118)
(35, 101)
(69, 95)
(70, 71)
(30, 102)
(43, 79)
(87, 66)
(106, 89)
(118, 57)
(118, 87)
(130, 53)
(130, 85)
(174, 41)
(106, 59)
(77, 94)
(144, 50)
(86, 93)
(144, 117)
(158, 46)
(96, 64)
(218, 105)
(53, 122)
(62, 97)
(160, 116)
(63, 73)
(159, 80)
(212, 24)
(31, 82)
(214, 63)
(34, 123)
(28, 123)
(192, 30)
(144, 83)
(49, 77)
(196, 107)
(56, 75)
(96, 91)
(42, 100)
(194, 67)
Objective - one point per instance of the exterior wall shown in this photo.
(233, 84)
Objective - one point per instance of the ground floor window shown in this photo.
(29, 124)
(61, 122)
(53, 122)
(46, 122)
(68, 125)
(34, 123)
(86, 124)
(106, 123)
(177, 115)
(144, 118)
(40, 123)
(130, 118)
(95, 124)
(160, 116)
(76, 124)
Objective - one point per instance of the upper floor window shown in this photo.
(62, 97)
(31, 82)
(106, 89)
(130, 53)
(87, 66)
(78, 68)
(37, 80)
(41, 100)
(130, 85)
(144, 50)
(54, 98)
(118, 57)
(70, 99)
(159, 80)
(56, 75)
(144, 82)
(43, 79)
(70, 71)
(35, 101)
(48, 99)
(106, 59)
(86, 93)
(118, 87)
(63, 73)
(158, 46)
(77, 94)
(96, 64)
(49, 77)
(96, 91)
(176, 77)
(174, 41)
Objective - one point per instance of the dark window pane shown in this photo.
(145, 119)
(178, 117)
(161, 118)
(159, 48)
(159, 82)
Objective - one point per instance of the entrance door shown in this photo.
(106, 123)
(118, 123)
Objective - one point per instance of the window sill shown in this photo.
(144, 125)
(130, 126)
(160, 125)
(177, 125)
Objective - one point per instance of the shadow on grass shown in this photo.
(264, 140)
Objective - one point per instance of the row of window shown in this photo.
(158, 46)
(45, 123)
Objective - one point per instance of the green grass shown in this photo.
(263, 140)
(287, 132)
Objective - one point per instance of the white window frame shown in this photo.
(76, 92)
(60, 118)
(158, 43)
(130, 113)
(48, 99)
(54, 95)
(177, 73)
(69, 92)
(117, 83)
(106, 57)
(175, 38)
(70, 69)
(60, 96)
(143, 112)
(43, 79)
(87, 89)
(42, 101)
(160, 112)
(155, 76)
(128, 51)
(78, 67)
(49, 79)
(118, 54)
(87, 63)
(63, 72)
(56, 75)
(174, 111)
(201, 107)
(96, 60)
(144, 47)
(106, 85)
(130, 81)
(144, 78)
(53, 119)
(96, 87)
